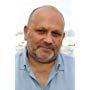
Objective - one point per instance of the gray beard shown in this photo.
(36, 58)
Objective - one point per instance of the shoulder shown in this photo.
(68, 63)
(18, 53)
(69, 69)
(68, 58)
(19, 57)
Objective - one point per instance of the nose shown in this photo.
(48, 39)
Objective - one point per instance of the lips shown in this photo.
(46, 47)
(46, 50)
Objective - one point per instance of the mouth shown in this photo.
(45, 49)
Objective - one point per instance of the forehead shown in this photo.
(47, 17)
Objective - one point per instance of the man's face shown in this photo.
(44, 37)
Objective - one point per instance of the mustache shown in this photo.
(46, 45)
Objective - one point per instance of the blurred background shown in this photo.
(68, 44)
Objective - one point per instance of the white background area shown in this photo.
(14, 14)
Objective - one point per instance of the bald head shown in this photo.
(46, 10)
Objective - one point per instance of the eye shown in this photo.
(56, 34)
(40, 31)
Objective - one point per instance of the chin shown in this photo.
(44, 57)
(48, 59)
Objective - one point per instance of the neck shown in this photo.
(41, 70)
(40, 67)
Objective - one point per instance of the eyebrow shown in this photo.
(47, 28)
(42, 27)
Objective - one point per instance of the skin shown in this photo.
(44, 35)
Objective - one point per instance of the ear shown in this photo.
(26, 30)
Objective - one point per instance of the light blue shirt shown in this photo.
(60, 78)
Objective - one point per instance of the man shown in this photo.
(41, 66)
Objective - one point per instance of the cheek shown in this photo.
(32, 41)
(58, 42)
(34, 37)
